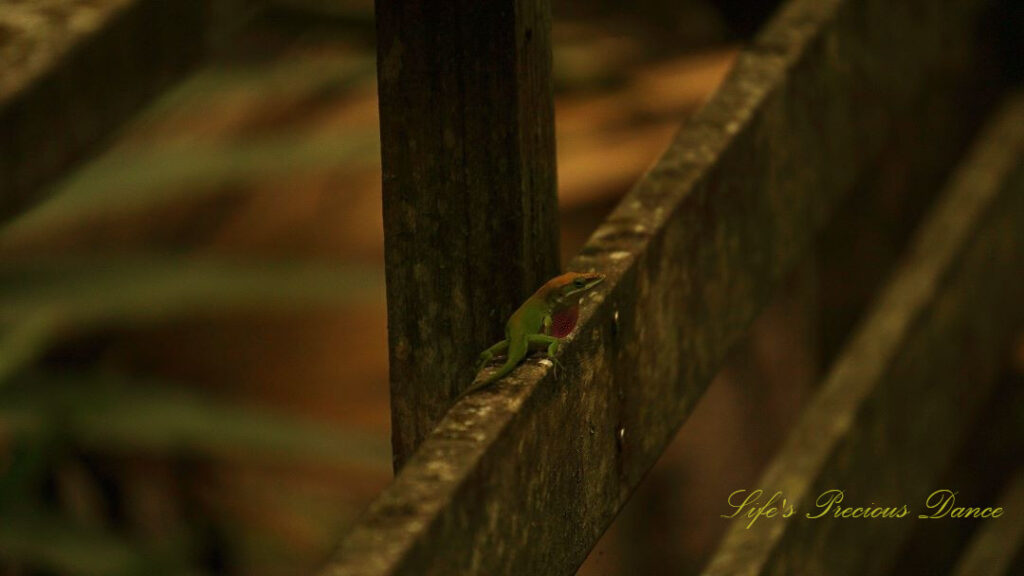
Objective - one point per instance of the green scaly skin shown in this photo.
(530, 325)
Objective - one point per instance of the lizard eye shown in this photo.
(579, 282)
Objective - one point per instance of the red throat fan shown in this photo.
(563, 321)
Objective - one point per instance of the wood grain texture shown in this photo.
(523, 478)
(898, 401)
(470, 204)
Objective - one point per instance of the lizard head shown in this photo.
(566, 290)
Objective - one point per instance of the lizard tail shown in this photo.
(516, 352)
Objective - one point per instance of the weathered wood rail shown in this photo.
(898, 400)
(72, 72)
(994, 548)
(524, 478)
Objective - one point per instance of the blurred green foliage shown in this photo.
(73, 435)
(52, 417)
(43, 300)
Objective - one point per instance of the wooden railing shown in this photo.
(525, 477)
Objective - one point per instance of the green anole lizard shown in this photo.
(542, 321)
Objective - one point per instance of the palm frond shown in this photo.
(112, 415)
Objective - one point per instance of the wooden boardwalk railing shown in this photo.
(72, 72)
(525, 477)
(894, 408)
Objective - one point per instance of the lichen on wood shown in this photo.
(524, 477)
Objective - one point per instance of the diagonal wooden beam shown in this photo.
(898, 401)
(72, 71)
(524, 478)
(993, 550)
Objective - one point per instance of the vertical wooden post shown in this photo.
(470, 205)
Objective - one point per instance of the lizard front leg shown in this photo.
(550, 342)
